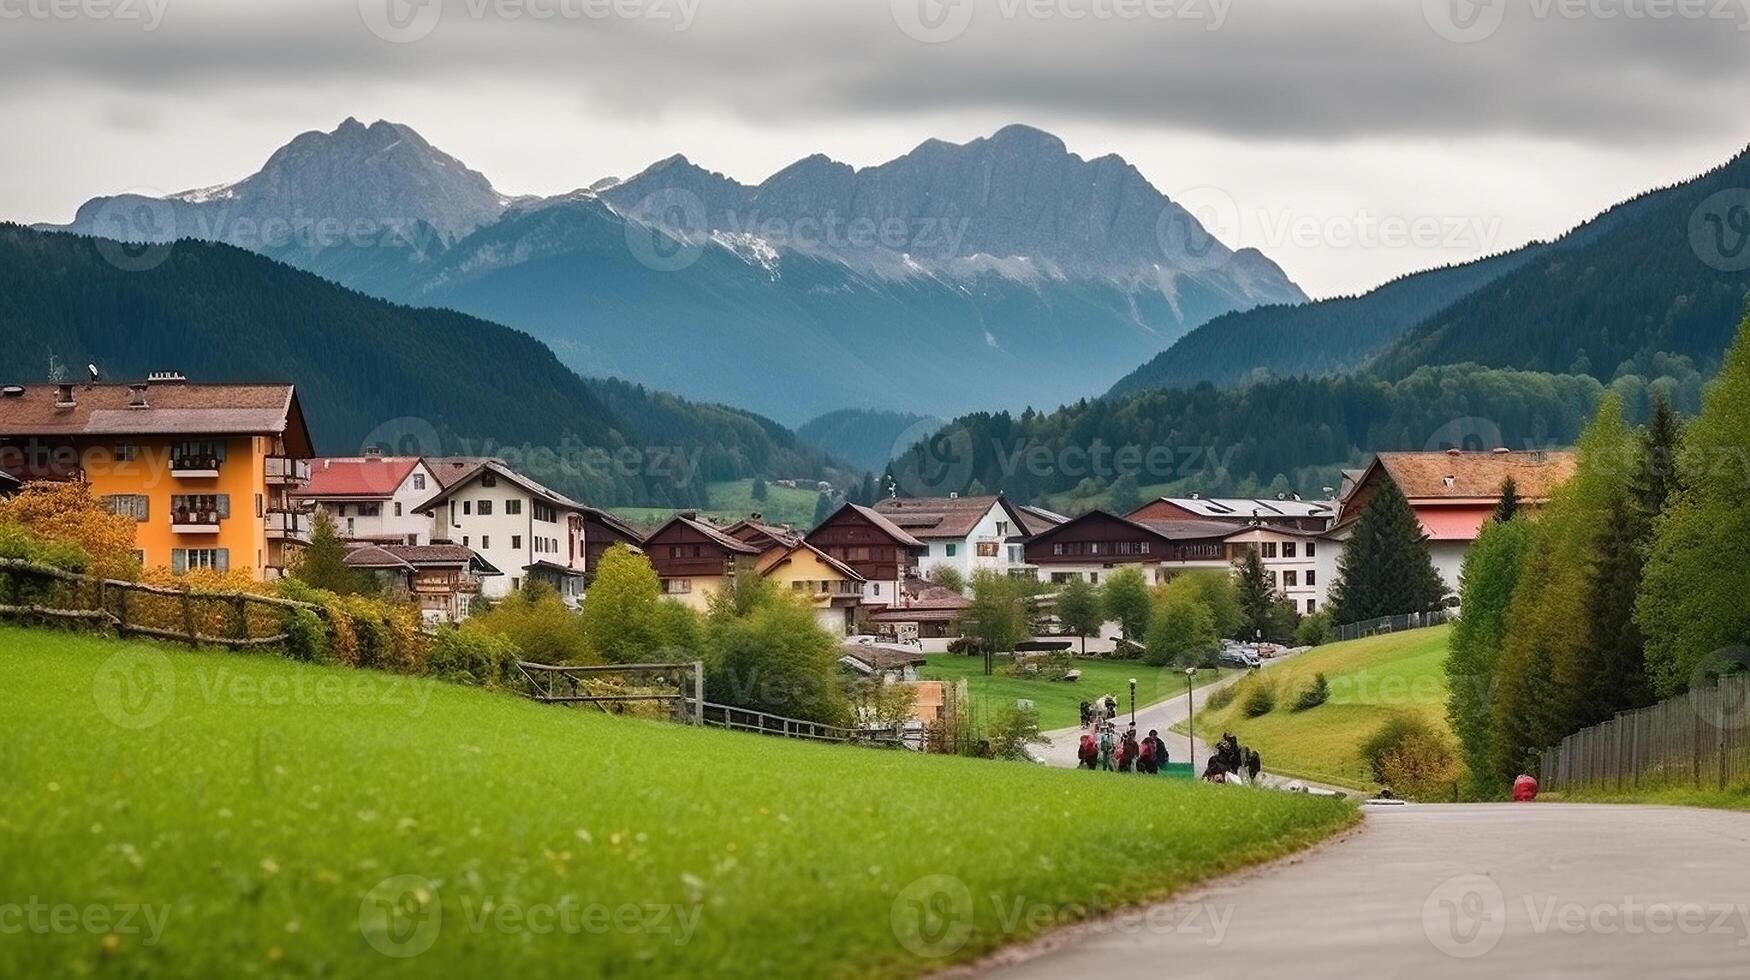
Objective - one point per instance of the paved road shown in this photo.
(1541, 890)
(1161, 717)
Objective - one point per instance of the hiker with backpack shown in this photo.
(1088, 753)
(1128, 750)
(1158, 758)
(1107, 744)
(1147, 762)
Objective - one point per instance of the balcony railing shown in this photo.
(195, 522)
(194, 466)
(287, 472)
(284, 526)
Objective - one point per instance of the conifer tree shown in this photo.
(1491, 573)
(1385, 569)
(324, 563)
(1257, 598)
(1508, 508)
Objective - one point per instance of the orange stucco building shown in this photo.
(205, 469)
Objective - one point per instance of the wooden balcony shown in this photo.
(195, 467)
(282, 472)
(195, 522)
(288, 526)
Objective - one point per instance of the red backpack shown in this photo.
(1090, 748)
(1148, 751)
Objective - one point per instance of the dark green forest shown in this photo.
(371, 372)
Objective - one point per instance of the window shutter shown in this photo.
(224, 507)
(178, 560)
(145, 513)
(222, 559)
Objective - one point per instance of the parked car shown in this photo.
(1240, 658)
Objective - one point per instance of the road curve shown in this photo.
(1528, 890)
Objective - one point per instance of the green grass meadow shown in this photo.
(733, 500)
(1059, 703)
(186, 814)
(1370, 680)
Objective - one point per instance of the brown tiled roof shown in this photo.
(1478, 476)
(449, 469)
(504, 472)
(1189, 530)
(713, 533)
(750, 530)
(372, 556)
(1038, 520)
(887, 527)
(178, 408)
(925, 594)
(883, 658)
(935, 518)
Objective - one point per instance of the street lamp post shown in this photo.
(1133, 702)
(1191, 710)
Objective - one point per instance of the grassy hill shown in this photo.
(273, 815)
(1370, 680)
(732, 500)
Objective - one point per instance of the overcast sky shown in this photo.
(1351, 140)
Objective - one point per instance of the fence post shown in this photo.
(699, 690)
(188, 618)
(242, 618)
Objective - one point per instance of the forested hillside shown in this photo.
(1669, 275)
(868, 438)
(370, 371)
(1291, 433)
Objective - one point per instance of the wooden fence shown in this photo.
(237, 620)
(1698, 740)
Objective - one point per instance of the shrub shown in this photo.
(1260, 700)
(1412, 757)
(541, 625)
(470, 655)
(1315, 630)
(1312, 697)
(67, 514)
(1223, 696)
(306, 636)
(1011, 730)
(18, 544)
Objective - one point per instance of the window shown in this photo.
(677, 586)
(1271, 577)
(1057, 549)
(1269, 549)
(987, 549)
(126, 452)
(516, 542)
(1093, 547)
(350, 528)
(370, 510)
(950, 549)
(485, 508)
(1094, 578)
(468, 508)
(877, 588)
(260, 506)
(1144, 549)
(200, 508)
(1309, 549)
(419, 481)
(516, 584)
(197, 455)
(465, 544)
(1312, 577)
(1058, 578)
(513, 507)
(136, 506)
(1290, 579)
(183, 560)
(545, 513)
(1312, 606)
(485, 541)
(489, 480)
(1003, 528)
(1288, 549)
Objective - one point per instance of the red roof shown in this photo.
(361, 477)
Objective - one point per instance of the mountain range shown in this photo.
(373, 373)
(1003, 271)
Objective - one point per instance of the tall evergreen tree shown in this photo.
(324, 563)
(1126, 598)
(1078, 609)
(1491, 573)
(1508, 508)
(1257, 598)
(1692, 597)
(1656, 477)
(1385, 569)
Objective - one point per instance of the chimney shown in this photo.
(374, 452)
(137, 396)
(64, 397)
(756, 517)
(1502, 450)
(691, 515)
(954, 495)
(1454, 451)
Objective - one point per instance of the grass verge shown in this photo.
(286, 820)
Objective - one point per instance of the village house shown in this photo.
(527, 531)
(442, 579)
(1454, 493)
(1285, 511)
(863, 539)
(1288, 535)
(834, 589)
(695, 559)
(207, 470)
(966, 534)
(373, 498)
(926, 613)
(1096, 544)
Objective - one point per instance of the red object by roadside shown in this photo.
(1524, 789)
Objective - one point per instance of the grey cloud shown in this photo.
(1327, 69)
